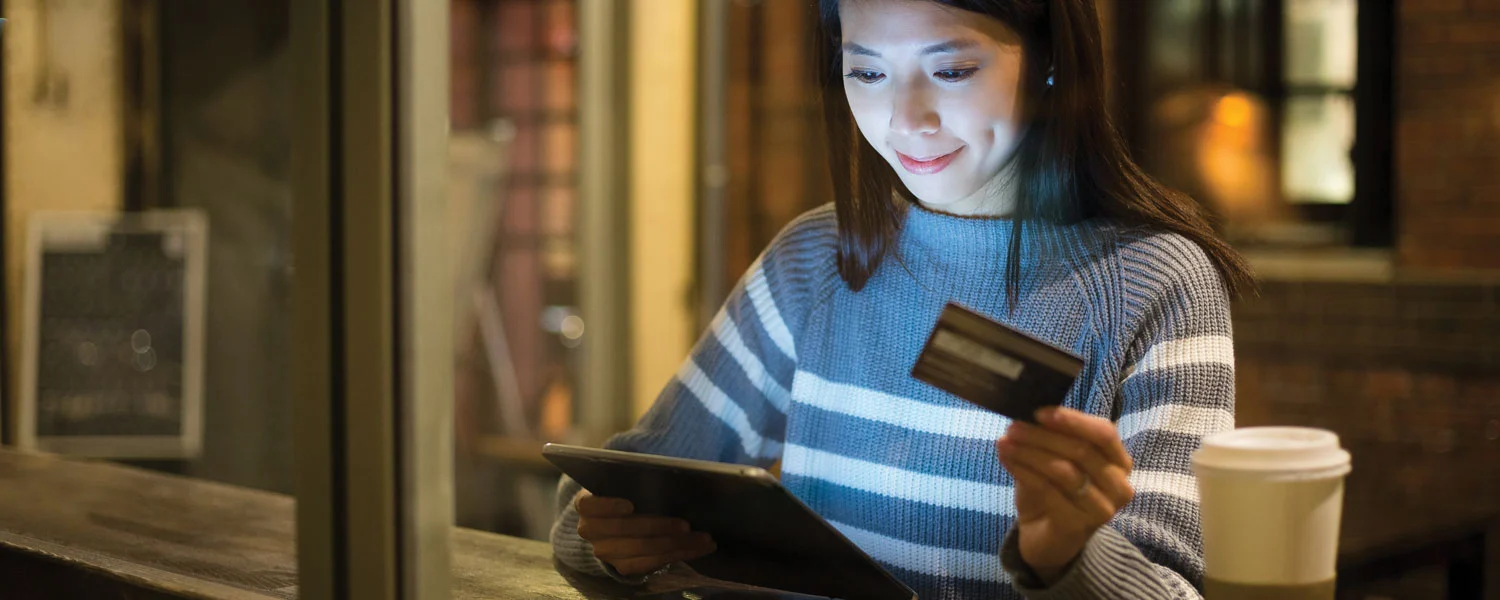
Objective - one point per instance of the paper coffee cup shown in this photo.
(1271, 499)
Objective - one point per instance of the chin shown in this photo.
(936, 199)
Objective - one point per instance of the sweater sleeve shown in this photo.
(1177, 388)
(728, 401)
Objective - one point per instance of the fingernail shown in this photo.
(625, 506)
(703, 538)
(683, 527)
(1047, 415)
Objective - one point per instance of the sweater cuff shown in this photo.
(1129, 573)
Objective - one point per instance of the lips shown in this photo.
(929, 165)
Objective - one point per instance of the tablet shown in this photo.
(766, 537)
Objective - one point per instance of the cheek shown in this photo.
(990, 111)
(871, 115)
(987, 120)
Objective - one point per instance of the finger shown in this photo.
(1109, 477)
(599, 506)
(591, 528)
(642, 547)
(1091, 506)
(1095, 430)
(1098, 509)
(1057, 503)
(1071, 447)
(1059, 471)
(1114, 483)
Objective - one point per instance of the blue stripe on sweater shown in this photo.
(752, 332)
(764, 417)
(1164, 447)
(700, 434)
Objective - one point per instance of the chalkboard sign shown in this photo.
(112, 354)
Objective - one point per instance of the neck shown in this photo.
(995, 199)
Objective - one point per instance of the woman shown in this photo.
(973, 161)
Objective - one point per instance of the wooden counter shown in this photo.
(72, 528)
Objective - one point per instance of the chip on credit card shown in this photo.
(995, 366)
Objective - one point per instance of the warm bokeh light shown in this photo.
(1233, 110)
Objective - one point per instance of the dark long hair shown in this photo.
(1070, 164)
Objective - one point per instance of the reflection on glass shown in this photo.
(161, 335)
(1176, 45)
(1316, 140)
(113, 363)
(1320, 42)
(514, 72)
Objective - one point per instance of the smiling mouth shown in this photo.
(927, 166)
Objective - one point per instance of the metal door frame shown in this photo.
(374, 366)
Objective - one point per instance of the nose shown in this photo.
(913, 113)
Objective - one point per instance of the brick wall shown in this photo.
(1408, 373)
(1448, 133)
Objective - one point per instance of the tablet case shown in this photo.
(766, 537)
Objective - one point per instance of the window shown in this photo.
(1275, 113)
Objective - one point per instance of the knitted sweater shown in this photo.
(799, 368)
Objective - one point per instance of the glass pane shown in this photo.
(148, 215)
(775, 146)
(514, 152)
(1321, 39)
(1176, 45)
(1316, 140)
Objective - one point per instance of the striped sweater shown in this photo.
(799, 368)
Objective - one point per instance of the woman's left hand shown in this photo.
(1072, 476)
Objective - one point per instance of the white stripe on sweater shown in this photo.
(1176, 418)
(895, 482)
(864, 403)
(728, 334)
(765, 306)
(1205, 349)
(947, 492)
(931, 560)
(720, 405)
(1165, 482)
(856, 401)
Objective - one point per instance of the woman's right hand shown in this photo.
(636, 544)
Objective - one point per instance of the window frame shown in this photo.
(7, 436)
(373, 333)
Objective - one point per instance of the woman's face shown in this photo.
(936, 91)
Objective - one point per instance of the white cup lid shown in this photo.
(1274, 450)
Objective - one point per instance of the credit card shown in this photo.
(995, 366)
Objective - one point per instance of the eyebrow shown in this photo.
(947, 47)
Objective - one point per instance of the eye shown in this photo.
(955, 75)
(865, 76)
